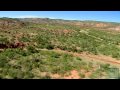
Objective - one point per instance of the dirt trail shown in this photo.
(97, 58)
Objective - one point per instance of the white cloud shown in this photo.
(52, 17)
(33, 16)
(27, 16)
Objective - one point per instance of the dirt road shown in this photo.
(98, 58)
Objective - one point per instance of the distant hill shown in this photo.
(9, 23)
(86, 23)
(20, 22)
(43, 48)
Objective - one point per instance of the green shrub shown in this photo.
(49, 46)
(82, 75)
(116, 55)
(56, 55)
(3, 61)
(25, 39)
(20, 75)
(79, 59)
(62, 47)
(22, 52)
(28, 75)
(10, 53)
(105, 66)
(32, 49)
(4, 40)
(73, 49)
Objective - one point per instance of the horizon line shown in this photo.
(62, 19)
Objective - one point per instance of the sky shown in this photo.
(108, 16)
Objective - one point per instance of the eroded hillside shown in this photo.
(50, 49)
(84, 24)
(9, 23)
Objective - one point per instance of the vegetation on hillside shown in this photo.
(26, 51)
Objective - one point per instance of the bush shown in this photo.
(116, 55)
(56, 55)
(79, 51)
(3, 61)
(4, 40)
(49, 46)
(16, 74)
(22, 52)
(105, 66)
(31, 49)
(62, 47)
(10, 53)
(73, 49)
(24, 39)
(28, 75)
(82, 75)
(42, 39)
(79, 59)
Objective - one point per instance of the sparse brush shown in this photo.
(26, 46)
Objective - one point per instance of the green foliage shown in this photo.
(32, 49)
(96, 74)
(52, 35)
(56, 55)
(3, 61)
(116, 55)
(25, 39)
(105, 66)
(4, 40)
(82, 75)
